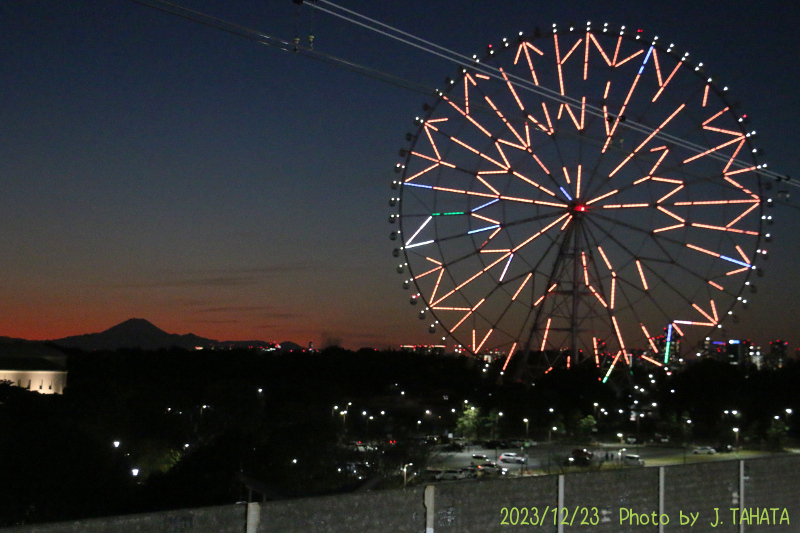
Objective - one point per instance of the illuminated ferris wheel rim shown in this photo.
(570, 206)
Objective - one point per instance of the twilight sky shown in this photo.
(153, 167)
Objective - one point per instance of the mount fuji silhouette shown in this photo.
(134, 333)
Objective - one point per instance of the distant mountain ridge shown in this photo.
(142, 334)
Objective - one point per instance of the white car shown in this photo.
(450, 474)
(704, 450)
(511, 457)
(632, 460)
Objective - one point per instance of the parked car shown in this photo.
(511, 457)
(632, 460)
(724, 448)
(471, 472)
(582, 452)
(451, 474)
(703, 450)
(577, 461)
(490, 468)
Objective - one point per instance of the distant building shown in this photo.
(778, 354)
(424, 349)
(33, 366)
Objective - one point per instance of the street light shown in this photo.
(736, 436)
(405, 479)
(526, 427)
(550, 433)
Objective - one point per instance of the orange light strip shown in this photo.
(468, 314)
(619, 337)
(720, 228)
(586, 57)
(541, 126)
(585, 269)
(649, 338)
(596, 353)
(487, 219)
(709, 252)
(431, 271)
(658, 67)
(536, 158)
(467, 80)
(676, 189)
(566, 223)
(737, 271)
(511, 88)
(578, 186)
(717, 202)
(530, 65)
(677, 329)
(705, 96)
(641, 274)
(436, 286)
(603, 254)
(700, 310)
(579, 41)
(531, 182)
(521, 285)
(720, 130)
(660, 159)
(510, 355)
(477, 125)
(651, 360)
(635, 54)
(715, 116)
(450, 308)
(470, 280)
(716, 285)
(540, 232)
(667, 228)
(546, 331)
(499, 114)
(670, 213)
(741, 253)
(667, 82)
(616, 52)
(558, 64)
(737, 219)
(547, 116)
(566, 174)
(600, 49)
(597, 295)
(710, 150)
(748, 169)
(606, 195)
(418, 174)
(622, 206)
(484, 340)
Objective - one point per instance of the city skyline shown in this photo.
(156, 168)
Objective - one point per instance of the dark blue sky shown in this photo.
(153, 167)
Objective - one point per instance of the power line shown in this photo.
(281, 44)
(460, 59)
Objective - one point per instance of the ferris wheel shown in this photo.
(579, 196)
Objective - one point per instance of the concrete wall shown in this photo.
(624, 500)
(221, 519)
